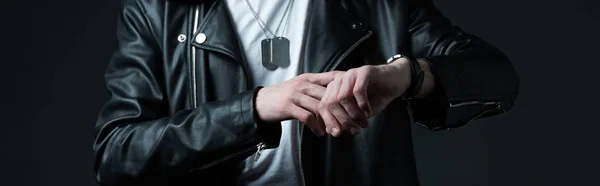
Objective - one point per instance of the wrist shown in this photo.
(399, 71)
(257, 106)
(402, 66)
(414, 75)
(270, 135)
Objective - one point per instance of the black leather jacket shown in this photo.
(181, 110)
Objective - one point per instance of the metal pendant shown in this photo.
(275, 53)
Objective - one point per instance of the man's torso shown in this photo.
(337, 36)
(277, 166)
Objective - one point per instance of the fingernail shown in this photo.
(334, 131)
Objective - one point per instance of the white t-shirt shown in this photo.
(281, 165)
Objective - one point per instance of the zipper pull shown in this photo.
(261, 146)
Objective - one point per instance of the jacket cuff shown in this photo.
(269, 134)
(441, 110)
(431, 112)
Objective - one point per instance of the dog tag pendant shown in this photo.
(275, 52)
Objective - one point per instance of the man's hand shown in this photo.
(354, 96)
(297, 98)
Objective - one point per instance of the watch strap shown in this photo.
(416, 73)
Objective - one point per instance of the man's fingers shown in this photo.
(360, 94)
(313, 90)
(312, 105)
(344, 118)
(330, 107)
(322, 79)
(346, 121)
(306, 117)
(346, 98)
(331, 124)
(307, 102)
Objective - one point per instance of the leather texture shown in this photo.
(182, 113)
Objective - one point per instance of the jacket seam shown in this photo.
(241, 111)
(147, 23)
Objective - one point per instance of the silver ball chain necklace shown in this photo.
(275, 50)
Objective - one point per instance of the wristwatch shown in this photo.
(417, 75)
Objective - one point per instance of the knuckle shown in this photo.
(359, 91)
(336, 72)
(326, 101)
(322, 107)
(362, 104)
(303, 76)
(355, 116)
(367, 69)
(330, 84)
(289, 95)
(284, 107)
(332, 102)
(307, 117)
(297, 83)
(346, 122)
(343, 98)
(303, 89)
(314, 109)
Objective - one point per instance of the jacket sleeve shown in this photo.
(473, 78)
(139, 141)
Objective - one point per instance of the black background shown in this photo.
(54, 54)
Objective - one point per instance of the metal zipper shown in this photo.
(474, 103)
(345, 54)
(484, 112)
(194, 97)
(259, 148)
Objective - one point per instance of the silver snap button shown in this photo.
(357, 26)
(181, 38)
(200, 38)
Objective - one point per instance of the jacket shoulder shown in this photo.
(145, 6)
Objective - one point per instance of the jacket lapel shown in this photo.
(330, 35)
(220, 32)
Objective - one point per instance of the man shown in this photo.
(287, 92)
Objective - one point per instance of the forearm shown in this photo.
(473, 79)
(133, 146)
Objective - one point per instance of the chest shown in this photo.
(216, 58)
